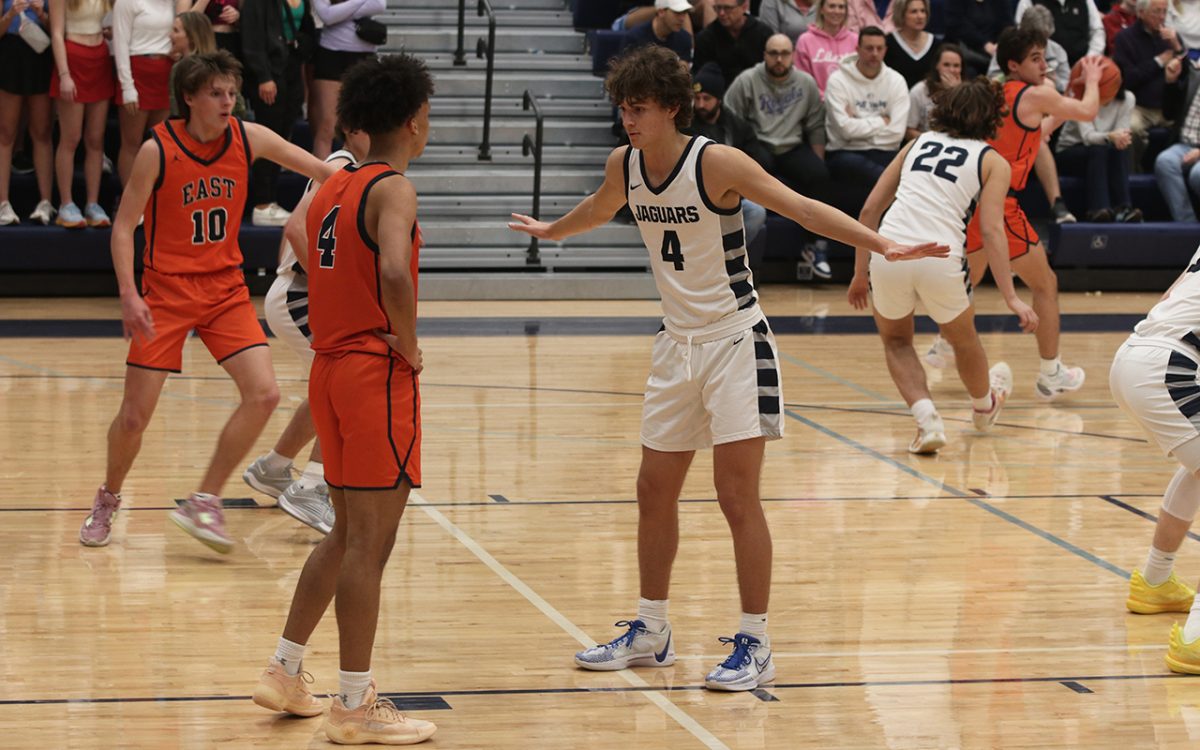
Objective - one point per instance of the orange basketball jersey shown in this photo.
(193, 215)
(345, 308)
(1015, 142)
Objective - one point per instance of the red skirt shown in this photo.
(91, 70)
(151, 74)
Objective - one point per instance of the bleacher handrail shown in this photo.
(534, 146)
(485, 146)
(460, 53)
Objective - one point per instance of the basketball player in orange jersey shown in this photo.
(190, 182)
(1021, 55)
(363, 242)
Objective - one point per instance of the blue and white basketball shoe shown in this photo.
(636, 647)
(749, 666)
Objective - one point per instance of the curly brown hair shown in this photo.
(652, 73)
(973, 109)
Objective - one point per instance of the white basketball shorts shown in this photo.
(721, 391)
(1158, 388)
(286, 307)
(943, 285)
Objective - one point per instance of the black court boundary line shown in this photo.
(1111, 499)
(699, 500)
(404, 697)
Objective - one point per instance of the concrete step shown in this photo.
(459, 179)
(426, 39)
(571, 284)
(495, 233)
(461, 82)
(527, 64)
(552, 155)
(405, 15)
(500, 7)
(492, 207)
(510, 130)
(475, 257)
(462, 106)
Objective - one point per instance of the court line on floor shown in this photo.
(968, 497)
(936, 652)
(834, 378)
(645, 689)
(681, 717)
(1112, 500)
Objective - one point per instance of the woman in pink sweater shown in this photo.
(864, 13)
(820, 49)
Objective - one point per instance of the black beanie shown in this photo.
(710, 80)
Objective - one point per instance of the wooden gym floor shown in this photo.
(974, 599)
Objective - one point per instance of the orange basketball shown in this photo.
(1110, 80)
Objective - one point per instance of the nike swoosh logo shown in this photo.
(635, 187)
(662, 655)
(739, 341)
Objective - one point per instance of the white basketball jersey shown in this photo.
(287, 256)
(1175, 321)
(939, 189)
(697, 250)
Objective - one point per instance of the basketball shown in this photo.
(1110, 80)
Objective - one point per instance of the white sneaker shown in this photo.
(274, 215)
(1001, 378)
(308, 505)
(1066, 380)
(637, 647)
(8, 216)
(929, 438)
(268, 482)
(940, 354)
(749, 666)
(43, 214)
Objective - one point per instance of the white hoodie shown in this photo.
(872, 98)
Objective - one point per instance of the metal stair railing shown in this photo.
(489, 47)
(534, 146)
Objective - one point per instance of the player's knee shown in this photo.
(131, 420)
(895, 341)
(738, 507)
(263, 399)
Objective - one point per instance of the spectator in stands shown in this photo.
(866, 111)
(1175, 168)
(712, 120)
(910, 46)
(827, 42)
(946, 73)
(224, 16)
(192, 34)
(666, 29)
(1121, 17)
(83, 83)
(864, 13)
(735, 42)
(1058, 69)
(271, 45)
(643, 11)
(789, 17)
(25, 83)
(784, 107)
(1184, 17)
(1147, 54)
(142, 53)
(1098, 151)
(339, 47)
(975, 25)
(1078, 25)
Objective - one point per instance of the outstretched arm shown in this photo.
(593, 211)
(1047, 101)
(266, 144)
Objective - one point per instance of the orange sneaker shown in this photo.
(376, 721)
(279, 691)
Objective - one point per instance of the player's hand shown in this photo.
(1093, 68)
(229, 15)
(131, 108)
(530, 225)
(412, 357)
(913, 252)
(267, 92)
(135, 317)
(1190, 157)
(1024, 313)
(857, 293)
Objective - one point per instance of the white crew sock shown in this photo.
(1191, 629)
(982, 404)
(353, 687)
(755, 625)
(276, 462)
(289, 655)
(1159, 565)
(313, 475)
(1051, 366)
(923, 411)
(653, 612)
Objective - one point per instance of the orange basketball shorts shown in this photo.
(1020, 233)
(367, 410)
(216, 305)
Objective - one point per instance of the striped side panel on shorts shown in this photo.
(1180, 380)
(770, 394)
(297, 305)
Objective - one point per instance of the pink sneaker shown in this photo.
(96, 530)
(203, 517)
(376, 721)
(279, 691)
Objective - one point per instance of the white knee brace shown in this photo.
(1182, 498)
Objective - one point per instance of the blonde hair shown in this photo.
(821, 18)
(199, 32)
(900, 9)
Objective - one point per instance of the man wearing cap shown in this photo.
(714, 121)
(735, 42)
(665, 30)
